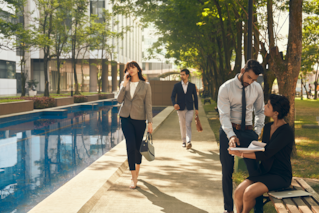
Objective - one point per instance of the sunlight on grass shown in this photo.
(212, 117)
(10, 100)
(305, 99)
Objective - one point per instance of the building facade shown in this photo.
(88, 66)
(154, 64)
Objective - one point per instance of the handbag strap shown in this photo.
(150, 137)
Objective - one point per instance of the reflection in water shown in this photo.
(38, 156)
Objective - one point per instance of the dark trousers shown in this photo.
(133, 131)
(227, 161)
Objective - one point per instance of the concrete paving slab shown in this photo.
(179, 180)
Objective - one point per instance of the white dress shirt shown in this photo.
(133, 86)
(230, 105)
(185, 86)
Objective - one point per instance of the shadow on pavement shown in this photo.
(169, 204)
(214, 156)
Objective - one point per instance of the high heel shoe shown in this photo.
(133, 184)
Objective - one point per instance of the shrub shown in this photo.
(41, 102)
(80, 99)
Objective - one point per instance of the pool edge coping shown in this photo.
(53, 108)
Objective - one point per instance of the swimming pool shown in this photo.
(39, 152)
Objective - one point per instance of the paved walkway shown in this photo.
(178, 181)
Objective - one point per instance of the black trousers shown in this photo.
(133, 131)
(227, 161)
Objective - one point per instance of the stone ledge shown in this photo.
(108, 96)
(92, 97)
(82, 192)
(63, 101)
(16, 107)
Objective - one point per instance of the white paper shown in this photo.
(254, 146)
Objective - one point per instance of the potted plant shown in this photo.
(32, 85)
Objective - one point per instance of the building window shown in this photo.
(7, 17)
(7, 69)
(96, 8)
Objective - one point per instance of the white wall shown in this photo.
(8, 86)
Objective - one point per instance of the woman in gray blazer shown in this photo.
(136, 98)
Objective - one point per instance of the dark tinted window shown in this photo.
(7, 69)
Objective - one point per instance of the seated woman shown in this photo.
(275, 168)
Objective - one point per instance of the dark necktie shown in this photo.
(243, 115)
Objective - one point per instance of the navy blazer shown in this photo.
(185, 100)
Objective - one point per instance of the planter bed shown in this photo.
(64, 101)
(105, 96)
(92, 97)
(16, 107)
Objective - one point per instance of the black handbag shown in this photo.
(147, 148)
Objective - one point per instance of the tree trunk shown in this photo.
(217, 83)
(45, 68)
(270, 18)
(294, 49)
(245, 40)
(256, 33)
(238, 61)
(23, 81)
(221, 60)
(269, 78)
(82, 85)
(23, 77)
(287, 71)
(269, 75)
(75, 78)
(225, 37)
(301, 89)
(74, 40)
(316, 92)
(59, 74)
(304, 85)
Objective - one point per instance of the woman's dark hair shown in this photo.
(186, 71)
(280, 104)
(132, 64)
(255, 66)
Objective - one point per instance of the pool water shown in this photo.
(42, 151)
(37, 156)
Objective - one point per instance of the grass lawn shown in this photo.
(212, 116)
(10, 100)
(6, 99)
(306, 163)
(54, 95)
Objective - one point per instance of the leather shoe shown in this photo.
(189, 145)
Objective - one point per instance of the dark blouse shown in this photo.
(276, 157)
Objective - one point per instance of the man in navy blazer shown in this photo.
(186, 98)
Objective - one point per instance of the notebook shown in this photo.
(289, 193)
(254, 146)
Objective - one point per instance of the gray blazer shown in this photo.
(140, 107)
